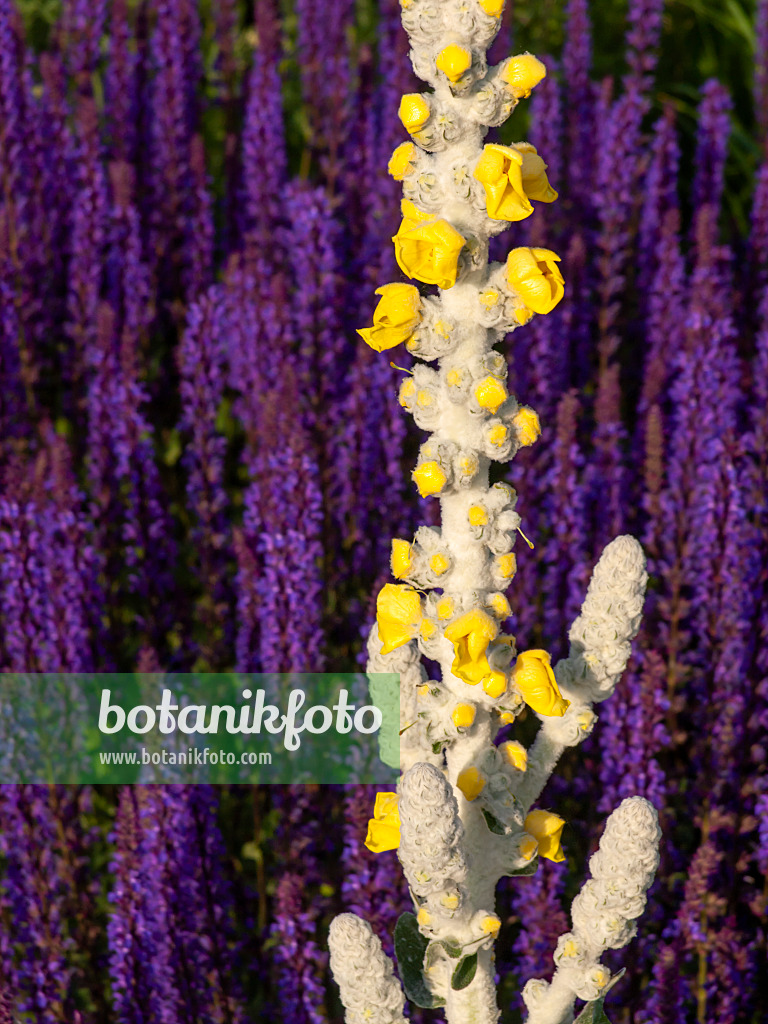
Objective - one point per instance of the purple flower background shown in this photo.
(201, 468)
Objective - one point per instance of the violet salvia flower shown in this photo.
(263, 139)
(324, 63)
(89, 237)
(82, 24)
(300, 962)
(712, 149)
(643, 34)
(201, 360)
(580, 92)
(538, 905)
(32, 893)
(121, 85)
(462, 816)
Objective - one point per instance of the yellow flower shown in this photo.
(471, 783)
(546, 828)
(490, 393)
(514, 753)
(491, 925)
(500, 172)
(499, 605)
(398, 614)
(534, 171)
(453, 61)
(492, 8)
(535, 276)
(477, 515)
(401, 558)
(445, 608)
(439, 564)
(507, 565)
(414, 111)
(395, 318)
(427, 249)
(463, 715)
(523, 73)
(384, 826)
(400, 161)
(470, 635)
(534, 678)
(498, 434)
(526, 423)
(430, 478)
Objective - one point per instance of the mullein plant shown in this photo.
(462, 816)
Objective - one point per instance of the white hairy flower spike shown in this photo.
(364, 973)
(431, 831)
(603, 914)
(462, 818)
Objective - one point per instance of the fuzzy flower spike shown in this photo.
(462, 817)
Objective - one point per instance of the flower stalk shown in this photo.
(462, 816)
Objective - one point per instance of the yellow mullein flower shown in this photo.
(528, 846)
(400, 161)
(523, 73)
(535, 276)
(445, 608)
(395, 318)
(526, 423)
(414, 111)
(453, 61)
(429, 478)
(463, 715)
(500, 172)
(492, 8)
(534, 172)
(477, 515)
(470, 635)
(471, 783)
(490, 393)
(427, 249)
(534, 678)
(507, 565)
(439, 564)
(384, 826)
(546, 828)
(514, 753)
(398, 614)
(499, 605)
(491, 925)
(401, 558)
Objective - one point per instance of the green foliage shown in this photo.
(464, 972)
(410, 948)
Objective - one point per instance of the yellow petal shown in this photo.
(400, 161)
(386, 806)
(495, 684)
(401, 558)
(445, 608)
(453, 61)
(399, 306)
(528, 846)
(471, 783)
(498, 435)
(500, 606)
(463, 715)
(546, 828)
(492, 8)
(439, 564)
(534, 678)
(500, 171)
(470, 635)
(523, 73)
(535, 276)
(507, 565)
(429, 251)
(430, 478)
(526, 423)
(491, 393)
(382, 836)
(534, 173)
(477, 515)
(414, 111)
(491, 924)
(514, 753)
(398, 613)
